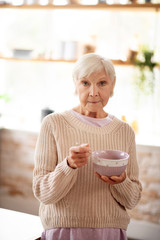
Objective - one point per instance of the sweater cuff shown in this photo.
(123, 185)
(66, 168)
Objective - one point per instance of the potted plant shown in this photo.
(145, 63)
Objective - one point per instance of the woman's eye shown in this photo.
(102, 83)
(85, 83)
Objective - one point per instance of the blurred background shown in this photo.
(39, 44)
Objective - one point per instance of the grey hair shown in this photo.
(91, 62)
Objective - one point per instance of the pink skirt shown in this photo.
(84, 234)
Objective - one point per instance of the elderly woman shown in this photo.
(75, 202)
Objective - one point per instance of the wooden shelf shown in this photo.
(116, 62)
(43, 60)
(102, 6)
(36, 59)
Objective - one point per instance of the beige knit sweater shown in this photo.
(76, 197)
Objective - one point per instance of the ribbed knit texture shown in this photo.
(76, 197)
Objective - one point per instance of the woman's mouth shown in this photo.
(94, 102)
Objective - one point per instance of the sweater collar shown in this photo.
(76, 123)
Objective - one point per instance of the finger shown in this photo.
(107, 179)
(99, 176)
(82, 155)
(84, 145)
(82, 148)
(119, 178)
(78, 149)
(116, 178)
(81, 161)
(79, 164)
(104, 178)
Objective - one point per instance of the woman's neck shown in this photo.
(87, 113)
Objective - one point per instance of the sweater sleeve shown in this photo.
(51, 181)
(128, 193)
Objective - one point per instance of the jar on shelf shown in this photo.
(74, 1)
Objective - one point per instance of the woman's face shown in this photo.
(94, 92)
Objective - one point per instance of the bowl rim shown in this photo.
(110, 162)
(110, 150)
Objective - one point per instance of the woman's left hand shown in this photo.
(112, 180)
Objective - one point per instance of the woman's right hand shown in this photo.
(78, 156)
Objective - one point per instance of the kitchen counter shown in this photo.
(22, 226)
(19, 226)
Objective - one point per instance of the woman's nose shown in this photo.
(93, 91)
